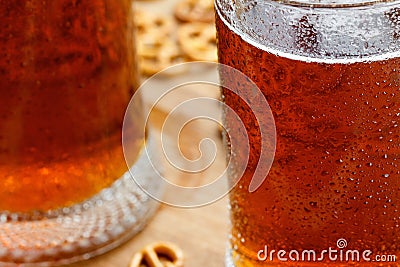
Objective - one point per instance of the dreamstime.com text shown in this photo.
(339, 254)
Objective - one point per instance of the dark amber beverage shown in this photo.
(67, 76)
(67, 72)
(334, 186)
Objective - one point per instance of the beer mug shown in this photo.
(67, 74)
(330, 71)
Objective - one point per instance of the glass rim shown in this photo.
(333, 4)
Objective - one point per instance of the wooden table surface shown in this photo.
(200, 232)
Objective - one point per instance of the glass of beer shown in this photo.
(67, 74)
(330, 71)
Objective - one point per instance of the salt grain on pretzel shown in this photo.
(198, 41)
(195, 10)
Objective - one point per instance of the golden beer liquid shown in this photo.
(335, 173)
(67, 73)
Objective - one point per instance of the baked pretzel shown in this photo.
(159, 254)
(149, 23)
(157, 54)
(195, 10)
(156, 48)
(198, 41)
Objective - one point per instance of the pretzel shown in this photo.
(198, 41)
(156, 54)
(195, 10)
(159, 254)
(150, 24)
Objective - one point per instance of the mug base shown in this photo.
(87, 229)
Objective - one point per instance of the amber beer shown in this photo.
(336, 172)
(67, 72)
